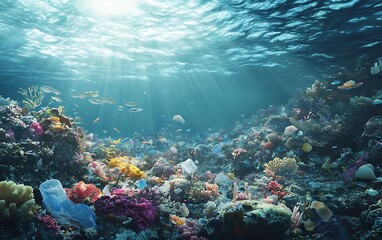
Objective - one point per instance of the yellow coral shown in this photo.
(282, 167)
(126, 168)
(16, 201)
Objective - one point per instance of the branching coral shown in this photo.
(282, 167)
(33, 96)
(16, 201)
(126, 168)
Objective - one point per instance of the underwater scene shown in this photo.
(201, 119)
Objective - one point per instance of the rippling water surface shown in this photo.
(199, 56)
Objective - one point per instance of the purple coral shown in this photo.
(143, 213)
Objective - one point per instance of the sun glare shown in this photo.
(110, 8)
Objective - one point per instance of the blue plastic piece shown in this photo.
(64, 210)
(216, 149)
(141, 184)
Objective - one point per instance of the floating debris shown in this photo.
(335, 82)
(178, 118)
(377, 67)
(120, 108)
(135, 110)
(49, 89)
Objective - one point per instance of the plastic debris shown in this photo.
(222, 179)
(216, 149)
(178, 118)
(188, 166)
(141, 184)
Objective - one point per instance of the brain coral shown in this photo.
(16, 201)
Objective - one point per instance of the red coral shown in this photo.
(49, 222)
(82, 191)
(274, 185)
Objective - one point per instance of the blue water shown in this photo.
(213, 62)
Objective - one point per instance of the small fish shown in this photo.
(120, 108)
(116, 129)
(101, 100)
(94, 101)
(351, 84)
(96, 120)
(76, 105)
(104, 131)
(49, 89)
(92, 94)
(76, 95)
(178, 130)
(135, 110)
(131, 104)
(57, 99)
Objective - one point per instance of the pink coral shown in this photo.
(36, 128)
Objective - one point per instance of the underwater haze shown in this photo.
(210, 61)
(191, 120)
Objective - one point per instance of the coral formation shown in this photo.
(33, 96)
(129, 170)
(282, 166)
(141, 211)
(16, 201)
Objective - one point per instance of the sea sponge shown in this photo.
(16, 201)
(127, 169)
(282, 167)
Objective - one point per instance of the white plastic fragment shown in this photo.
(188, 166)
(178, 118)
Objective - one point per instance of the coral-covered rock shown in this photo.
(142, 212)
(251, 219)
(82, 191)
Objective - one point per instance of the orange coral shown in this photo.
(127, 169)
(177, 220)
